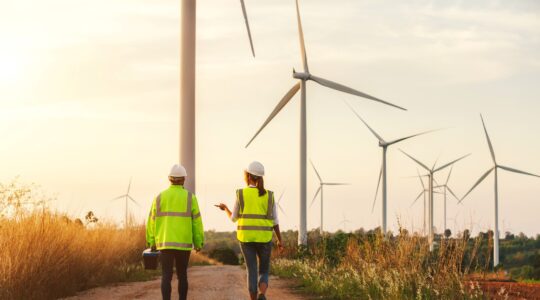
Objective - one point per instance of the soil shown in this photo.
(205, 282)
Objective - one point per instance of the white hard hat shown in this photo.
(178, 171)
(255, 168)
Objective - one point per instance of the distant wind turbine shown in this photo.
(382, 174)
(423, 193)
(446, 189)
(344, 222)
(303, 77)
(127, 197)
(494, 169)
(279, 205)
(431, 172)
(320, 189)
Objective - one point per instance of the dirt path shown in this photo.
(208, 282)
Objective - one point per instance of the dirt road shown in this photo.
(208, 282)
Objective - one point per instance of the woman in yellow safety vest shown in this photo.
(256, 213)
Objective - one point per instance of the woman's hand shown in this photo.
(222, 206)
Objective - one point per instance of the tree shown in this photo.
(509, 236)
(90, 218)
(447, 233)
(466, 234)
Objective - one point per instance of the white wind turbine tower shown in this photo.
(187, 85)
(494, 169)
(382, 174)
(320, 189)
(446, 189)
(127, 197)
(303, 77)
(423, 193)
(431, 172)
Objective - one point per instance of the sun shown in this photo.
(10, 67)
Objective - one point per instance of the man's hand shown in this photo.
(197, 250)
(280, 246)
(221, 206)
(153, 249)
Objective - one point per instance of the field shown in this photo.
(46, 255)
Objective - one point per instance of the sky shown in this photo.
(89, 98)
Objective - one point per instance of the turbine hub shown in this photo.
(301, 75)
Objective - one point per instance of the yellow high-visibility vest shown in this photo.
(175, 220)
(255, 215)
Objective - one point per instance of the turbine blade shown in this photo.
(417, 161)
(477, 183)
(315, 169)
(315, 197)
(418, 197)
(517, 171)
(339, 87)
(247, 27)
(381, 140)
(450, 163)
(335, 183)
(129, 186)
(280, 196)
(488, 140)
(277, 109)
(452, 192)
(302, 43)
(119, 197)
(376, 190)
(281, 209)
(449, 174)
(411, 136)
(420, 178)
(133, 200)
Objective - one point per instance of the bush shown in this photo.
(224, 255)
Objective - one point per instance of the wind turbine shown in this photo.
(127, 197)
(494, 169)
(422, 193)
(446, 188)
(344, 222)
(431, 172)
(187, 84)
(320, 189)
(279, 205)
(382, 174)
(303, 77)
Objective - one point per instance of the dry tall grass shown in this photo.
(45, 255)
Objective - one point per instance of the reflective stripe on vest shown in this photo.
(262, 228)
(269, 214)
(173, 244)
(186, 213)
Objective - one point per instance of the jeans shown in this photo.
(251, 252)
(168, 257)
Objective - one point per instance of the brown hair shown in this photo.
(258, 180)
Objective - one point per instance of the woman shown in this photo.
(256, 214)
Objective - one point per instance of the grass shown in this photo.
(373, 267)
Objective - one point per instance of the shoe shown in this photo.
(261, 297)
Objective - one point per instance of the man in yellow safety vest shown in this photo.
(175, 227)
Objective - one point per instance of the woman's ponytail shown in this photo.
(260, 186)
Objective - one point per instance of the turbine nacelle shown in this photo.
(301, 75)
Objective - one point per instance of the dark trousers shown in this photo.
(252, 252)
(168, 257)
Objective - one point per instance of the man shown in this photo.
(174, 227)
